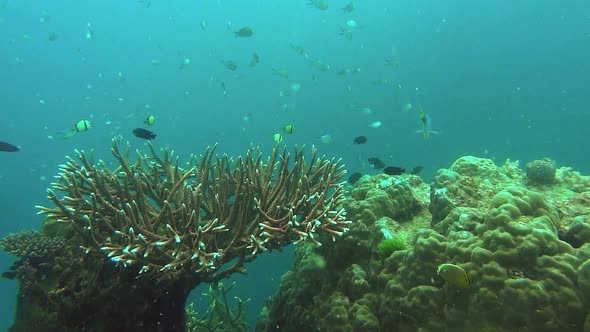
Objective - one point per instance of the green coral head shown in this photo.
(388, 246)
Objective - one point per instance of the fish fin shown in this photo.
(427, 133)
(68, 133)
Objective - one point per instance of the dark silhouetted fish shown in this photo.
(244, 32)
(360, 140)
(376, 162)
(143, 133)
(416, 170)
(393, 170)
(354, 177)
(7, 147)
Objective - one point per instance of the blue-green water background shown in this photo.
(500, 79)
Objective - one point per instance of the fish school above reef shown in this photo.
(482, 248)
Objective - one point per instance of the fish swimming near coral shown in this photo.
(7, 147)
(325, 139)
(375, 124)
(319, 4)
(376, 163)
(394, 170)
(348, 8)
(53, 37)
(277, 137)
(354, 177)
(231, 65)
(80, 126)
(144, 133)
(416, 170)
(346, 33)
(426, 125)
(407, 107)
(254, 60)
(289, 128)
(454, 275)
(280, 72)
(150, 120)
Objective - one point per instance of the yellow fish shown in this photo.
(454, 275)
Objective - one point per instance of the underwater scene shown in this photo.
(295, 165)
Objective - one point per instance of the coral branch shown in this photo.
(165, 220)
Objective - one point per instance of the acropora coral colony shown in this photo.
(151, 230)
(136, 239)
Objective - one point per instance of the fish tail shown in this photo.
(68, 133)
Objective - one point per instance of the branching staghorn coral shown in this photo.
(175, 221)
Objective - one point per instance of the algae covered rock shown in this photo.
(389, 246)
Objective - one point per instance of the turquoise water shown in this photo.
(499, 80)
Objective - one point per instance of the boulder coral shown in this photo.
(541, 171)
(526, 252)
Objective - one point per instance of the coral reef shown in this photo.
(32, 244)
(526, 252)
(151, 230)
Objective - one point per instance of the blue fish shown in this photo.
(426, 125)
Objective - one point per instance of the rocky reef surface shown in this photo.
(523, 240)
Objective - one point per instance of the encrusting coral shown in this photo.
(151, 230)
(526, 255)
